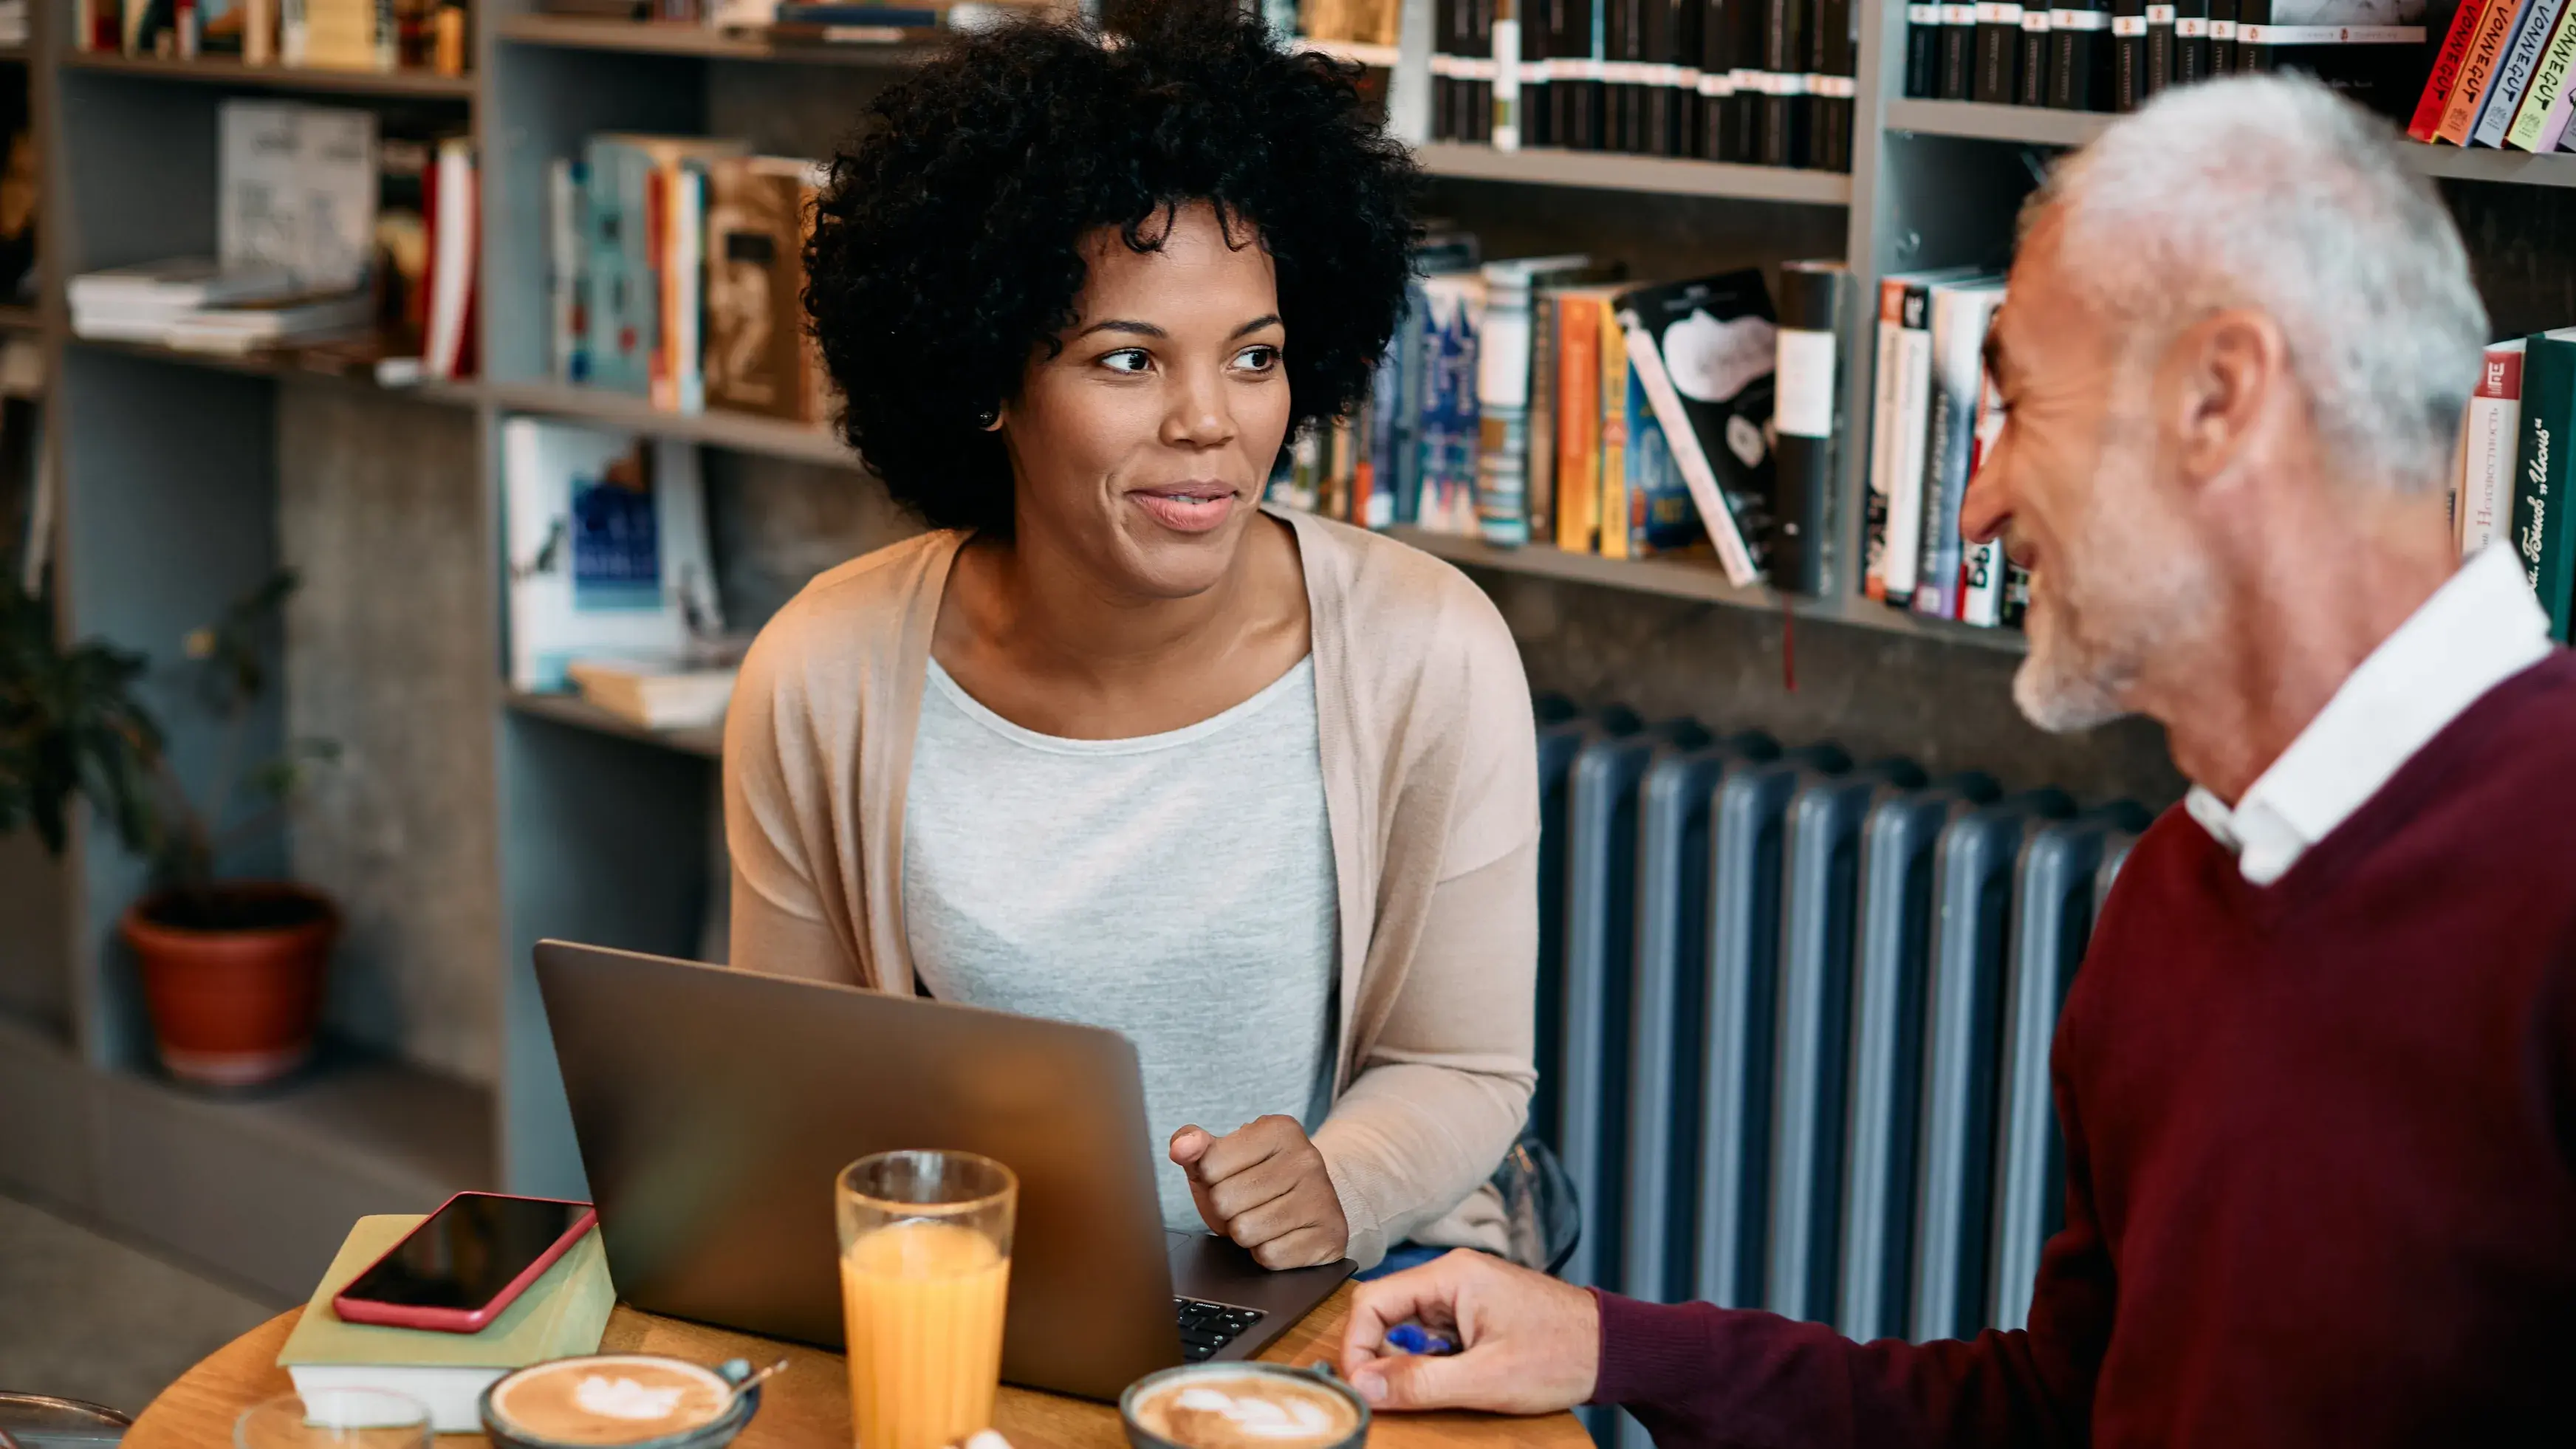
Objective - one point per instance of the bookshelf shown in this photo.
(542, 816)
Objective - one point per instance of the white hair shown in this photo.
(2273, 193)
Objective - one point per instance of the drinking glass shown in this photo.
(335, 1419)
(925, 1268)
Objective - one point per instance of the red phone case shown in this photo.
(460, 1320)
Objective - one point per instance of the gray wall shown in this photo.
(390, 653)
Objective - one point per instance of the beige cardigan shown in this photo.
(1430, 784)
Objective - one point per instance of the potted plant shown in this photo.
(232, 970)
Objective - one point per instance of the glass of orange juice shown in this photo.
(925, 1267)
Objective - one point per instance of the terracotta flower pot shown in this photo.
(236, 992)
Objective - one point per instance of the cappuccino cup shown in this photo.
(1243, 1406)
(626, 1400)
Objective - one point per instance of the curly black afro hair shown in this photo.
(946, 243)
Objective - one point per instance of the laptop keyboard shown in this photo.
(1206, 1328)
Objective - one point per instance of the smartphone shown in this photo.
(465, 1262)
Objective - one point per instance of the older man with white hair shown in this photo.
(2317, 1078)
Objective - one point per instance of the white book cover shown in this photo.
(1912, 422)
(2490, 436)
(688, 253)
(1882, 434)
(451, 265)
(1982, 565)
(336, 167)
(1960, 313)
(608, 553)
(565, 180)
(259, 215)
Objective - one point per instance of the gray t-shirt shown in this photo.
(1176, 887)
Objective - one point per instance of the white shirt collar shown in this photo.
(2480, 628)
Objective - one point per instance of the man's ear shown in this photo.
(2232, 375)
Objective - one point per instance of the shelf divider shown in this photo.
(216, 70)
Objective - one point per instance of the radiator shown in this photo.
(1794, 1020)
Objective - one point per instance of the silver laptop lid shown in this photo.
(715, 1107)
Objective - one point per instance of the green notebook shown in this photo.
(560, 1315)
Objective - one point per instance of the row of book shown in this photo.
(852, 22)
(361, 35)
(2116, 55)
(1761, 82)
(2501, 77)
(2514, 469)
(676, 273)
(1933, 413)
(1545, 401)
(333, 224)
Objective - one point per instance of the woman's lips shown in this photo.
(1187, 508)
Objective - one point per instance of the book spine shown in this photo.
(1578, 426)
(1502, 416)
(2129, 86)
(1539, 518)
(1834, 89)
(388, 37)
(1905, 481)
(2553, 127)
(1981, 565)
(2222, 37)
(563, 275)
(2514, 73)
(1922, 51)
(1805, 402)
(2037, 50)
(2488, 439)
(1734, 553)
(2081, 38)
(1404, 439)
(661, 388)
(1958, 79)
(2540, 524)
(1443, 70)
(2160, 48)
(1958, 334)
(2486, 49)
(1615, 363)
(1998, 52)
(689, 290)
(2191, 42)
(1505, 124)
(1882, 436)
(1716, 81)
(293, 33)
(2548, 82)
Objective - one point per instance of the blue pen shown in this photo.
(1414, 1340)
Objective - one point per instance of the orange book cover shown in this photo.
(1578, 422)
(1614, 433)
(2435, 103)
(2477, 69)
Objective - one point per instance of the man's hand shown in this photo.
(1527, 1344)
(1264, 1186)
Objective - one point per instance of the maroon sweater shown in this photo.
(2320, 1149)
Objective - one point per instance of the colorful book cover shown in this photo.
(1455, 318)
(1706, 351)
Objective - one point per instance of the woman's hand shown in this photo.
(1264, 1185)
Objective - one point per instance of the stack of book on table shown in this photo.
(561, 1315)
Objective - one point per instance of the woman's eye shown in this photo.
(1125, 359)
(1257, 359)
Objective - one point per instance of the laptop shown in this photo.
(715, 1109)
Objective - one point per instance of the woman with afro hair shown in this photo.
(1112, 743)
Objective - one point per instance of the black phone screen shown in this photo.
(465, 1253)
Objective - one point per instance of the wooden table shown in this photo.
(808, 1407)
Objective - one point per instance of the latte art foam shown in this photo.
(616, 1399)
(1248, 1412)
